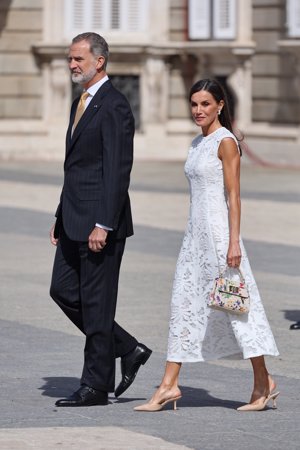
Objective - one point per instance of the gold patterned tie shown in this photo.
(80, 108)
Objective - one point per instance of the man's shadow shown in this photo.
(61, 387)
(292, 314)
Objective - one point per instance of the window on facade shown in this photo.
(129, 85)
(126, 16)
(212, 19)
(293, 18)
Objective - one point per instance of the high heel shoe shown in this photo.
(153, 407)
(259, 406)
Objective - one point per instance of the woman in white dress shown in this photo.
(212, 241)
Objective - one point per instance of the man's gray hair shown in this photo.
(98, 44)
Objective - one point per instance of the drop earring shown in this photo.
(219, 112)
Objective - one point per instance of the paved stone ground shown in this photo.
(41, 352)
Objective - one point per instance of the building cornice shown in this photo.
(291, 45)
(45, 51)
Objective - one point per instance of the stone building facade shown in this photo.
(158, 49)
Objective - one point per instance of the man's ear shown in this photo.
(100, 62)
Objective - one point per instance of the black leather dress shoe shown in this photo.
(130, 364)
(85, 396)
(295, 326)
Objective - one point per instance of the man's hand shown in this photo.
(53, 240)
(97, 239)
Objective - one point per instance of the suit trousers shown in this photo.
(85, 286)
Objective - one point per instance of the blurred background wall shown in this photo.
(158, 48)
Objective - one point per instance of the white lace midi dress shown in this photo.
(196, 332)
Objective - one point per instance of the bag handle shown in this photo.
(242, 278)
(221, 272)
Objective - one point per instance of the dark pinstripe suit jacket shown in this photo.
(97, 167)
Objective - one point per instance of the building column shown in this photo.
(240, 79)
(244, 23)
(57, 90)
(51, 55)
(155, 91)
(241, 82)
(53, 21)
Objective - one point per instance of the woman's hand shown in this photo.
(234, 255)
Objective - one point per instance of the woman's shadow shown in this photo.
(201, 398)
(191, 397)
(194, 398)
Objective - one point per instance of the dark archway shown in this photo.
(231, 97)
(4, 9)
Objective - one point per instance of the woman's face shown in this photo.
(205, 109)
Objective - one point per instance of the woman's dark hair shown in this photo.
(216, 90)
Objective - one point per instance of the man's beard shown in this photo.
(83, 78)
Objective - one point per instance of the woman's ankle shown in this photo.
(272, 383)
(167, 385)
(261, 381)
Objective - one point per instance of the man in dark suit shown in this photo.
(93, 220)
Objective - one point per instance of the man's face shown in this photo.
(83, 64)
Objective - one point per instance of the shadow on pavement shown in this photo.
(200, 398)
(65, 386)
(191, 397)
(292, 314)
(59, 386)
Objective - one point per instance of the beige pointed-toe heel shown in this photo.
(259, 406)
(154, 407)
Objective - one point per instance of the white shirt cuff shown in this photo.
(104, 227)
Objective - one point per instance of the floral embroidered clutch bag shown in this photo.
(230, 295)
